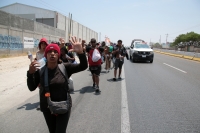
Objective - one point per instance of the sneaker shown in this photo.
(114, 79)
(97, 89)
(119, 78)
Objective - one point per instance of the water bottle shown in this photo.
(30, 56)
(41, 63)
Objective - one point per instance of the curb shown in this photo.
(180, 56)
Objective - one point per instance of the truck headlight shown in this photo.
(151, 52)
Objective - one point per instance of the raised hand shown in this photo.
(76, 45)
(32, 67)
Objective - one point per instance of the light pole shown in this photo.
(99, 36)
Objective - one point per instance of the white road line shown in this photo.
(125, 123)
(174, 67)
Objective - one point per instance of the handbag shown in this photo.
(55, 107)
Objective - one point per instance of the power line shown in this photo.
(186, 29)
(55, 8)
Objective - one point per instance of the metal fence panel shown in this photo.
(4, 18)
(16, 22)
(28, 24)
(38, 27)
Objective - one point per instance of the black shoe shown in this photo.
(114, 79)
(93, 86)
(38, 107)
(119, 78)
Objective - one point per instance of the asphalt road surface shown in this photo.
(158, 97)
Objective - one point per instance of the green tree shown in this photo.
(191, 36)
(157, 45)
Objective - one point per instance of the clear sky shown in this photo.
(128, 19)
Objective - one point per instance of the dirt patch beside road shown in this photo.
(13, 88)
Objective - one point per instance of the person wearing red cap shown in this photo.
(42, 46)
(40, 53)
(57, 83)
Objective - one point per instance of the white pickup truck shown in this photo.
(140, 51)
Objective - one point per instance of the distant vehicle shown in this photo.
(140, 51)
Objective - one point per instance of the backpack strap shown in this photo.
(45, 71)
(64, 72)
(41, 71)
(46, 82)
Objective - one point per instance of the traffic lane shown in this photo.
(189, 66)
(99, 113)
(181, 69)
(161, 99)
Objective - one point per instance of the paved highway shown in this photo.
(162, 96)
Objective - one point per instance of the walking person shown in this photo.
(107, 58)
(57, 83)
(40, 54)
(62, 43)
(42, 46)
(111, 54)
(67, 56)
(94, 67)
(119, 55)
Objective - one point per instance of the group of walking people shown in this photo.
(58, 83)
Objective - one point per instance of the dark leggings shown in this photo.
(57, 124)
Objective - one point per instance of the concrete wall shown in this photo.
(52, 18)
(61, 24)
(13, 29)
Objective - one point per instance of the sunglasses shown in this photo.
(93, 42)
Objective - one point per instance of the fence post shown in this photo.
(8, 40)
(23, 40)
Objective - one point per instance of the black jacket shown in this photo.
(56, 80)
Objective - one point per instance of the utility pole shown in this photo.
(160, 40)
(166, 38)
